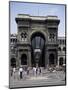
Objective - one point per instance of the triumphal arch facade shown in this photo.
(37, 40)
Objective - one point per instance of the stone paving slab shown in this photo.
(56, 78)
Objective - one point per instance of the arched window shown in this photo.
(11, 40)
(52, 36)
(64, 48)
(23, 36)
(16, 40)
(13, 62)
(61, 61)
(59, 48)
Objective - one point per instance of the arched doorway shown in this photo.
(13, 62)
(38, 49)
(23, 59)
(51, 59)
(61, 61)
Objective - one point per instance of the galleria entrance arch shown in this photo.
(38, 49)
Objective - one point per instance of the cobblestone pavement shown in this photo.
(45, 79)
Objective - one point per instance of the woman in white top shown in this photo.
(14, 70)
(20, 72)
(34, 71)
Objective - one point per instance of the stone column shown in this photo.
(18, 59)
(55, 58)
(46, 58)
(58, 62)
(29, 58)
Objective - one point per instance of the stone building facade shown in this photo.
(61, 51)
(36, 43)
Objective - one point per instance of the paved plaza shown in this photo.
(44, 79)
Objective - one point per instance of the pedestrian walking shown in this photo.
(34, 71)
(11, 71)
(14, 70)
(20, 72)
(39, 71)
(28, 71)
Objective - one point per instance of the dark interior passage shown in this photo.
(38, 49)
(51, 59)
(23, 59)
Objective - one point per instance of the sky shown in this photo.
(37, 9)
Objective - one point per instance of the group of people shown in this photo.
(24, 72)
(20, 72)
(37, 71)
